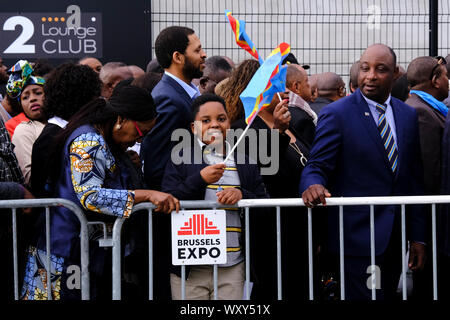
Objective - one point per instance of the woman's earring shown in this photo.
(118, 127)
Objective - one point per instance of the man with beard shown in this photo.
(179, 51)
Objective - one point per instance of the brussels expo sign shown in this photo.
(50, 35)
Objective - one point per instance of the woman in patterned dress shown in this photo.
(93, 172)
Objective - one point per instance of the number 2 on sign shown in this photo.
(19, 46)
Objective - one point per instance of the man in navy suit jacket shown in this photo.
(349, 158)
(179, 52)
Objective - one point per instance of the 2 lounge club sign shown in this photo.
(199, 237)
(69, 34)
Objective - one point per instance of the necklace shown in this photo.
(303, 159)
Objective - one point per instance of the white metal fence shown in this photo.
(247, 204)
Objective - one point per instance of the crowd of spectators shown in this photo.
(101, 135)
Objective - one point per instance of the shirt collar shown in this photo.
(204, 146)
(190, 89)
(374, 103)
(60, 122)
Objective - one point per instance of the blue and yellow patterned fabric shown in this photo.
(92, 178)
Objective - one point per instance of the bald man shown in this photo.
(111, 74)
(136, 71)
(367, 144)
(216, 69)
(313, 84)
(330, 88)
(303, 118)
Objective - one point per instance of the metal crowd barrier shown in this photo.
(293, 202)
(47, 203)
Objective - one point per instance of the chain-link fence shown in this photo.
(329, 35)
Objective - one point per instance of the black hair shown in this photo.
(147, 81)
(42, 67)
(154, 66)
(204, 98)
(400, 90)
(127, 101)
(394, 56)
(68, 88)
(170, 40)
(291, 59)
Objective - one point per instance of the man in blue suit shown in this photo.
(179, 51)
(367, 144)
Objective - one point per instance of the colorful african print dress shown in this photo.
(91, 178)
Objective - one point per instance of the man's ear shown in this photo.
(177, 58)
(341, 92)
(396, 73)
(296, 86)
(203, 82)
(193, 127)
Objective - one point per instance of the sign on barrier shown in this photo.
(199, 237)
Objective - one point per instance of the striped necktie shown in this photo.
(387, 137)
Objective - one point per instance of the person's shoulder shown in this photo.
(164, 87)
(26, 129)
(87, 139)
(344, 104)
(402, 106)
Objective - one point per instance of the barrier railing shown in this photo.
(292, 202)
(47, 203)
(247, 204)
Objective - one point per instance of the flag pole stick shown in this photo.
(239, 140)
(243, 134)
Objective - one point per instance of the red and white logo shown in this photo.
(198, 225)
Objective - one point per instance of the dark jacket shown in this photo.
(11, 190)
(40, 156)
(174, 112)
(443, 217)
(184, 182)
(319, 104)
(349, 159)
(431, 130)
(303, 125)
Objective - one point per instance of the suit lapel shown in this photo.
(365, 115)
(183, 94)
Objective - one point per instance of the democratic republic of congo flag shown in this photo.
(269, 79)
(242, 39)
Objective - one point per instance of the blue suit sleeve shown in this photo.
(324, 152)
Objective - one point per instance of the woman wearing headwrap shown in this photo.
(26, 127)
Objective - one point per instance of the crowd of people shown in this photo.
(102, 136)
